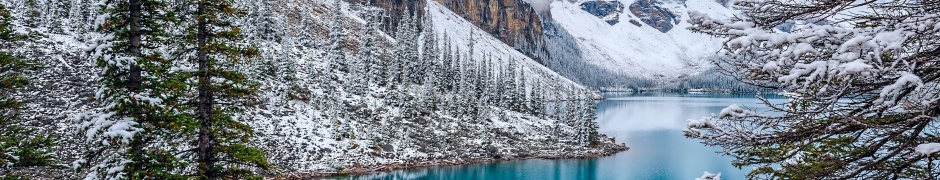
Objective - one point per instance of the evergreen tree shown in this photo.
(430, 55)
(33, 14)
(405, 51)
(413, 66)
(336, 56)
(537, 100)
(369, 68)
(447, 67)
(587, 126)
(874, 116)
(20, 145)
(221, 149)
(140, 94)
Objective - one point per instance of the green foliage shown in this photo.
(20, 144)
(138, 80)
(223, 140)
(6, 29)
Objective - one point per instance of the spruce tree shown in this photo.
(399, 67)
(369, 69)
(430, 55)
(587, 126)
(337, 53)
(407, 56)
(513, 93)
(447, 70)
(221, 150)
(33, 15)
(142, 97)
(537, 100)
(20, 145)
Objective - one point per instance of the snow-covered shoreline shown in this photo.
(606, 148)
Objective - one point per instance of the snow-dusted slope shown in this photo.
(642, 51)
(303, 122)
(451, 26)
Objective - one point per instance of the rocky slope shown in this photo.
(653, 14)
(514, 22)
(653, 48)
(609, 11)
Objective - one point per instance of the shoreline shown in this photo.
(606, 149)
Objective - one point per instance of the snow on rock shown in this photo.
(444, 20)
(927, 149)
(642, 51)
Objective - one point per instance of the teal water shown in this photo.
(650, 123)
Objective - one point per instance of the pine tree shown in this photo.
(140, 93)
(447, 67)
(515, 88)
(405, 51)
(586, 126)
(337, 54)
(430, 55)
(869, 118)
(33, 15)
(369, 68)
(413, 65)
(537, 100)
(20, 145)
(222, 152)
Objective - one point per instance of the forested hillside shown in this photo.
(242, 89)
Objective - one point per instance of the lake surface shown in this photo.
(650, 124)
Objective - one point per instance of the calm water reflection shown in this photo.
(650, 123)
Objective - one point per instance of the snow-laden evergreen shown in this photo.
(336, 93)
(862, 77)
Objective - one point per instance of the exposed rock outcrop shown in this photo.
(654, 15)
(514, 22)
(609, 11)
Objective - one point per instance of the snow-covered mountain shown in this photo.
(645, 39)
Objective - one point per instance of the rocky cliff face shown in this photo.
(654, 15)
(609, 11)
(650, 12)
(514, 22)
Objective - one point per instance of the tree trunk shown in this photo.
(135, 36)
(133, 77)
(204, 103)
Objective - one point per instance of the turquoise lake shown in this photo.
(650, 124)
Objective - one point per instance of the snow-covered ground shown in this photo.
(642, 51)
(452, 27)
(294, 120)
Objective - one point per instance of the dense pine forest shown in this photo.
(232, 89)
